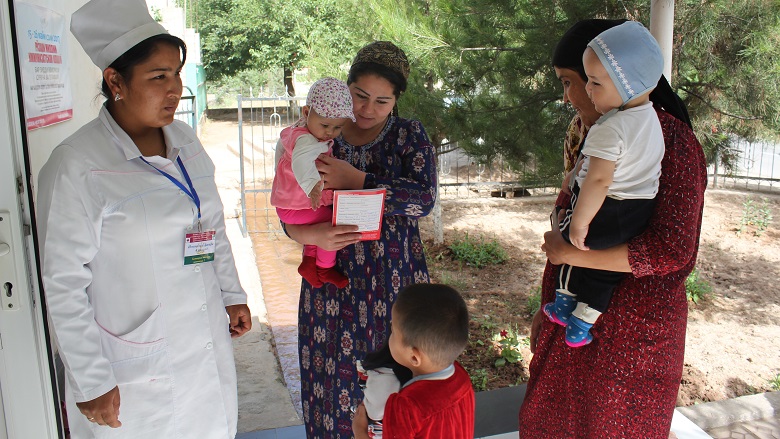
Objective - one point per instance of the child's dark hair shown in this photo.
(434, 319)
(140, 53)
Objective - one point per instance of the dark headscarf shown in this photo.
(568, 52)
(568, 55)
(386, 54)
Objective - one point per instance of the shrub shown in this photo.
(755, 215)
(775, 382)
(534, 301)
(508, 342)
(478, 253)
(479, 379)
(695, 288)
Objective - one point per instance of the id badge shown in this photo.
(199, 247)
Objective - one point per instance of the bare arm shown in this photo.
(561, 252)
(592, 194)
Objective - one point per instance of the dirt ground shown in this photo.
(733, 336)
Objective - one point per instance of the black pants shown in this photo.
(616, 222)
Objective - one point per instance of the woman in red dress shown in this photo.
(624, 384)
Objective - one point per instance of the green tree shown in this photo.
(482, 74)
(240, 35)
(726, 64)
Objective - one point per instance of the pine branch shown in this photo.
(718, 110)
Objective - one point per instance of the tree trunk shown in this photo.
(288, 80)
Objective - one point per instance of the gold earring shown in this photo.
(117, 97)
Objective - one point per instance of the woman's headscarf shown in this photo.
(568, 55)
(385, 54)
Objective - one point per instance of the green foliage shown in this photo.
(259, 35)
(482, 77)
(481, 74)
(486, 323)
(696, 289)
(759, 216)
(478, 253)
(534, 300)
(775, 382)
(725, 64)
(479, 379)
(509, 344)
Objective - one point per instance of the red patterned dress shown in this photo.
(625, 383)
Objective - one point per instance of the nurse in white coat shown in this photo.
(141, 286)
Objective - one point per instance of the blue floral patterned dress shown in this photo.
(336, 327)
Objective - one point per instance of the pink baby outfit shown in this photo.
(296, 175)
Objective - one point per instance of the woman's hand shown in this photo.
(536, 327)
(240, 319)
(556, 247)
(324, 235)
(103, 410)
(338, 174)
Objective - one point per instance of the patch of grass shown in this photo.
(534, 301)
(477, 252)
(486, 322)
(454, 280)
(756, 215)
(774, 383)
(479, 379)
(695, 288)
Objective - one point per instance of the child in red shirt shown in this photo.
(429, 331)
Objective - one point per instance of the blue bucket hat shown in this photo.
(631, 56)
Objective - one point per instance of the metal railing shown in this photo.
(187, 112)
(260, 120)
(757, 168)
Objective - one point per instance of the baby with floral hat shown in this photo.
(615, 180)
(297, 191)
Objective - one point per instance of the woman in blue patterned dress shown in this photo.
(336, 327)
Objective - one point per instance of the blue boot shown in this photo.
(560, 310)
(582, 319)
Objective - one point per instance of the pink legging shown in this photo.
(324, 214)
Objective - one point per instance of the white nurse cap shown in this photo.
(106, 29)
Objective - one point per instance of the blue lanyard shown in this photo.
(191, 192)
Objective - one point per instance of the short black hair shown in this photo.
(140, 53)
(433, 318)
(369, 68)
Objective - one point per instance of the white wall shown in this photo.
(85, 86)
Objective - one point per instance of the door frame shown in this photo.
(27, 375)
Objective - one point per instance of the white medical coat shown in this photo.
(125, 309)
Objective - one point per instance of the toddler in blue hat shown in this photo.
(615, 180)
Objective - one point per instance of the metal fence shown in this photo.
(260, 120)
(463, 176)
(186, 111)
(757, 168)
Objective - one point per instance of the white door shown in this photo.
(27, 399)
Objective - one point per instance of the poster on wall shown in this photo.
(42, 36)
